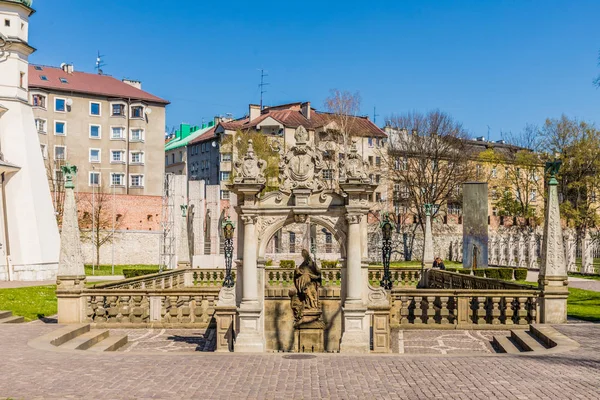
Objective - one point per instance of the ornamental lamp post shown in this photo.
(386, 251)
(228, 229)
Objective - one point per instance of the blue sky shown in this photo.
(500, 64)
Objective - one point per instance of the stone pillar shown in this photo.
(353, 259)
(587, 258)
(225, 313)
(511, 251)
(553, 278)
(427, 259)
(532, 261)
(521, 262)
(475, 225)
(502, 250)
(70, 280)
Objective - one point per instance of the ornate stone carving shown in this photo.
(354, 168)
(377, 296)
(307, 279)
(353, 218)
(249, 219)
(301, 167)
(265, 222)
(250, 169)
(300, 218)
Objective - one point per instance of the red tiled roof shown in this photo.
(209, 134)
(82, 82)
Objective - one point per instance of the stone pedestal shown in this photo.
(250, 337)
(309, 334)
(355, 338)
(553, 301)
(225, 317)
(70, 303)
(380, 321)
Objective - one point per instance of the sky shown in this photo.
(495, 66)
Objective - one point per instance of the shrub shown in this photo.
(287, 264)
(130, 273)
(506, 274)
(464, 271)
(269, 263)
(329, 263)
(479, 272)
(452, 269)
(492, 273)
(520, 274)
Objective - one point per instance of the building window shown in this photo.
(22, 80)
(494, 172)
(60, 105)
(370, 142)
(137, 180)
(39, 100)
(166, 160)
(116, 156)
(94, 108)
(494, 194)
(44, 151)
(226, 157)
(94, 155)
(377, 196)
(180, 156)
(371, 161)
(43, 77)
(292, 242)
(378, 161)
(95, 131)
(137, 112)
(40, 125)
(7, 22)
(533, 195)
(172, 158)
(377, 179)
(137, 157)
(225, 175)
(63, 80)
(454, 208)
(224, 194)
(60, 128)
(94, 179)
(118, 110)
(60, 152)
(137, 135)
(328, 174)
(328, 242)
(116, 179)
(116, 132)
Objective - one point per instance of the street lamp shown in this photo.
(228, 229)
(386, 251)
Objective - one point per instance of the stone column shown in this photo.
(225, 312)
(553, 278)
(587, 258)
(353, 259)
(70, 280)
(427, 259)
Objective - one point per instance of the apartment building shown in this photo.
(205, 158)
(112, 130)
(176, 148)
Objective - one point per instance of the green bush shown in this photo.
(287, 264)
(329, 264)
(269, 263)
(506, 274)
(492, 273)
(520, 274)
(452, 269)
(479, 272)
(464, 271)
(130, 273)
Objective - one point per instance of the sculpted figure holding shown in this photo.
(307, 279)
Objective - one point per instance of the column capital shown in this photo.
(353, 218)
(249, 219)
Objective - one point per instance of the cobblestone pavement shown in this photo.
(28, 373)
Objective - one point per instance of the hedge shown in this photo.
(130, 273)
(287, 264)
(493, 273)
(464, 271)
(506, 274)
(520, 274)
(479, 272)
(452, 269)
(329, 264)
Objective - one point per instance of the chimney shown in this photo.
(217, 121)
(305, 107)
(135, 84)
(68, 68)
(254, 112)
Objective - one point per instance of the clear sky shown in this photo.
(500, 64)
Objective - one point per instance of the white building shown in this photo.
(29, 239)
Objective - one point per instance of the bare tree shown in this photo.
(56, 183)
(343, 107)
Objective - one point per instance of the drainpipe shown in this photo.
(127, 115)
(4, 217)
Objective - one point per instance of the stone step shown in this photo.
(12, 320)
(111, 343)
(526, 341)
(86, 340)
(5, 314)
(505, 345)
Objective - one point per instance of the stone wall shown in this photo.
(130, 247)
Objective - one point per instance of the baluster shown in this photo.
(173, 308)
(481, 311)
(508, 310)
(496, 310)
(184, 304)
(404, 310)
(113, 310)
(532, 310)
(418, 310)
(522, 312)
(124, 309)
(137, 311)
(444, 312)
(431, 310)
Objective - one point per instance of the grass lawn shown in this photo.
(107, 269)
(30, 302)
(584, 304)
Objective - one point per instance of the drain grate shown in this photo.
(299, 356)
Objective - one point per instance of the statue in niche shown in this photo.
(307, 279)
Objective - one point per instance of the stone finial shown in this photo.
(71, 258)
(250, 169)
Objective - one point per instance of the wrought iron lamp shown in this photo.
(228, 229)
(386, 251)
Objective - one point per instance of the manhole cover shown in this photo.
(299, 356)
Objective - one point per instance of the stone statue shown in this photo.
(354, 168)
(307, 279)
(250, 168)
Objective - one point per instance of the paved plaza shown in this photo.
(28, 373)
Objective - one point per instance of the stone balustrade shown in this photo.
(400, 276)
(161, 280)
(438, 279)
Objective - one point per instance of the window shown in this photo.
(292, 242)
(172, 158)
(94, 155)
(370, 142)
(116, 179)
(137, 180)
(7, 22)
(94, 108)
(494, 194)
(377, 178)
(116, 156)
(60, 105)
(60, 152)
(22, 79)
(94, 179)
(533, 195)
(225, 175)
(137, 157)
(116, 133)
(63, 80)
(226, 157)
(328, 242)
(328, 174)
(95, 131)
(137, 112)
(180, 156)
(137, 135)
(378, 161)
(39, 100)
(454, 208)
(38, 68)
(224, 194)
(494, 172)
(60, 128)
(40, 125)
(44, 151)
(371, 161)
(377, 196)
(43, 77)
(118, 110)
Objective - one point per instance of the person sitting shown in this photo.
(438, 263)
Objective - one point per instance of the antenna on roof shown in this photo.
(375, 115)
(261, 86)
(99, 63)
(488, 138)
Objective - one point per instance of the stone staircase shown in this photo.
(7, 317)
(82, 337)
(539, 339)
